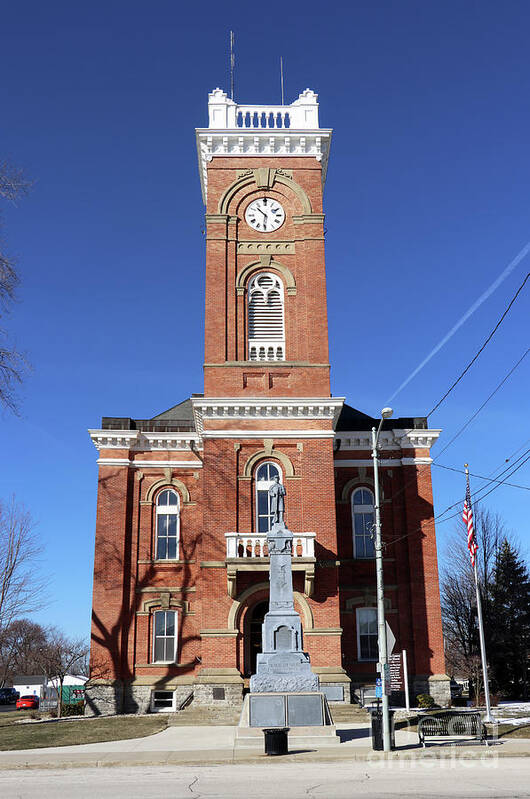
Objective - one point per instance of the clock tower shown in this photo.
(267, 405)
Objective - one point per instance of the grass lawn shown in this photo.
(82, 731)
(511, 731)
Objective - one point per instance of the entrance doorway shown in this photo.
(257, 614)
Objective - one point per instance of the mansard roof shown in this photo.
(352, 419)
(178, 418)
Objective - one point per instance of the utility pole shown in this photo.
(386, 413)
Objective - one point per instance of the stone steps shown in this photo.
(204, 716)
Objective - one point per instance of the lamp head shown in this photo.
(386, 413)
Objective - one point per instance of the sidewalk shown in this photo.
(215, 745)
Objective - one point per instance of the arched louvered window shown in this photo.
(266, 329)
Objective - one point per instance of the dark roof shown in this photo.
(179, 418)
(352, 419)
(29, 679)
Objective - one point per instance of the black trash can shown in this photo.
(377, 728)
(276, 741)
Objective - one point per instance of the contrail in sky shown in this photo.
(483, 297)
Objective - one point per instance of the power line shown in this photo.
(460, 502)
(523, 445)
(438, 518)
(475, 495)
(479, 476)
(472, 361)
(505, 378)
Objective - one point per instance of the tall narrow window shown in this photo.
(266, 329)
(264, 474)
(167, 525)
(367, 634)
(363, 523)
(164, 636)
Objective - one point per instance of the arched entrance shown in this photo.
(255, 622)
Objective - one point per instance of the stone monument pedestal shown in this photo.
(306, 713)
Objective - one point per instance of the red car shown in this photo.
(30, 702)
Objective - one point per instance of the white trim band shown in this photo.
(149, 464)
(352, 462)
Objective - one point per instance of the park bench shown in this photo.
(457, 725)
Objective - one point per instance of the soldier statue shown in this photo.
(277, 498)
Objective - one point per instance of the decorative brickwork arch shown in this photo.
(164, 604)
(244, 600)
(258, 266)
(356, 482)
(174, 483)
(249, 180)
(269, 453)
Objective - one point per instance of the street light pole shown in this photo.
(386, 413)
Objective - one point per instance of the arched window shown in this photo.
(264, 474)
(266, 329)
(362, 503)
(167, 525)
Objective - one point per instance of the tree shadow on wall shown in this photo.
(111, 661)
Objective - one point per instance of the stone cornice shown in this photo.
(260, 143)
(266, 408)
(396, 439)
(136, 440)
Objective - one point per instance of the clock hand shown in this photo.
(265, 220)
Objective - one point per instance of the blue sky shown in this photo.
(427, 202)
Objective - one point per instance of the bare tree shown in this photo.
(21, 587)
(61, 656)
(13, 186)
(20, 645)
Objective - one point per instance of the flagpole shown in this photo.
(488, 716)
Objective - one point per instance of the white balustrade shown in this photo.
(254, 545)
(224, 113)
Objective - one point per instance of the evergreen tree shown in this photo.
(509, 607)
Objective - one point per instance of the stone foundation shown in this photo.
(218, 695)
(105, 699)
(436, 685)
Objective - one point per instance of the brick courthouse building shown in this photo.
(181, 566)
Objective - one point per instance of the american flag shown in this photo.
(467, 516)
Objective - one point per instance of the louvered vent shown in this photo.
(266, 336)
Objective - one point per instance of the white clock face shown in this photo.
(265, 215)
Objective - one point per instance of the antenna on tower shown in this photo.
(281, 77)
(232, 64)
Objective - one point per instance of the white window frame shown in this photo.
(167, 510)
(175, 636)
(155, 709)
(359, 611)
(266, 347)
(358, 509)
(264, 485)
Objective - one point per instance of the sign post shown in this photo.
(406, 679)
